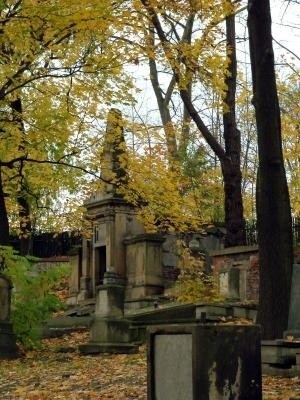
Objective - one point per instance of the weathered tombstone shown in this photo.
(8, 347)
(204, 362)
(294, 312)
(229, 283)
(279, 357)
(234, 283)
(224, 284)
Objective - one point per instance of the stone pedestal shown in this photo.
(8, 347)
(110, 330)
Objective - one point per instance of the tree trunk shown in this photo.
(231, 166)
(233, 203)
(4, 226)
(22, 195)
(273, 204)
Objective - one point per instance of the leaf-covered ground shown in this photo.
(57, 371)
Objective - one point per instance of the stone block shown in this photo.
(294, 333)
(212, 311)
(110, 301)
(204, 362)
(170, 260)
(110, 330)
(281, 353)
(110, 348)
(244, 312)
(8, 347)
(294, 315)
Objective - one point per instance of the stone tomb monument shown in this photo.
(8, 347)
(294, 312)
(111, 218)
(119, 242)
(204, 362)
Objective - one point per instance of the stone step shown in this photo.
(280, 354)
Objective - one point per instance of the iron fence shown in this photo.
(47, 244)
(251, 232)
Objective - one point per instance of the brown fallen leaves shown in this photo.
(57, 371)
(277, 388)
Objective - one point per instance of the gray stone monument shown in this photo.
(294, 312)
(109, 330)
(204, 362)
(8, 347)
(280, 356)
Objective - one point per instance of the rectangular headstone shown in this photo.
(294, 312)
(204, 362)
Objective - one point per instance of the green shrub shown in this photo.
(32, 299)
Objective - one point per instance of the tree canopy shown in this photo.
(63, 65)
(59, 72)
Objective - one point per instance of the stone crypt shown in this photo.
(119, 243)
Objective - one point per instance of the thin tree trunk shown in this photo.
(163, 102)
(273, 203)
(22, 195)
(233, 202)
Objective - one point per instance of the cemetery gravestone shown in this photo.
(281, 356)
(294, 314)
(8, 347)
(204, 362)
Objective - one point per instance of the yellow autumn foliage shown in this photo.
(193, 283)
